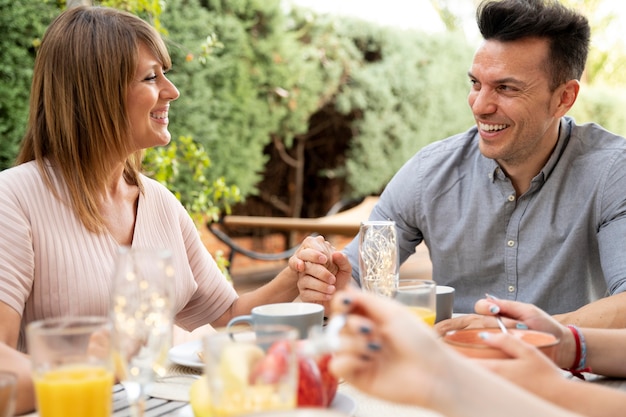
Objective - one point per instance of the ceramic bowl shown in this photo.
(469, 343)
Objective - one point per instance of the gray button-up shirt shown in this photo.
(560, 245)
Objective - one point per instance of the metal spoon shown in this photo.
(501, 324)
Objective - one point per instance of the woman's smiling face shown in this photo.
(149, 97)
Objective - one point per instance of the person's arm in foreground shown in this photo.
(605, 347)
(605, 313)
(535, 372)
(387, 352)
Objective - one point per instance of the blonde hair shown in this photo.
(78, 114)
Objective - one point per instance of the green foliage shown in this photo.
(22, 24)
(413, 93)
(257, 83)
(149, 10)
(256, 77)
(184, 161)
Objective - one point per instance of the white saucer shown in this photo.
(186, 354)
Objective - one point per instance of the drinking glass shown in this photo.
(378, 257)
(420, 296)
(251, 370)
(142, 319)
(72, 367)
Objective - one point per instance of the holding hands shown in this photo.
(321, 270)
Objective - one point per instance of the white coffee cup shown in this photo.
(302, 316)
(445, 302)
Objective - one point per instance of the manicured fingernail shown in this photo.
(373, 346)
(365, 329)
(494, 309)
(521, 326)
(484, 335)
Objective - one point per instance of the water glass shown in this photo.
(142, 318)
(379, 261)
(420, 296)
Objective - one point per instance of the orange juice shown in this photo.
(77, 391)
(426, 314)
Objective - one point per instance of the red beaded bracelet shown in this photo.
(580, 359)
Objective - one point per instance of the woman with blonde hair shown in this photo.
(100, 96)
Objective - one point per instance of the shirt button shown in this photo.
(511, 243)
(511, 197)
(511, 288)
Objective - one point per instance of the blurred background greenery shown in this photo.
(285, 110)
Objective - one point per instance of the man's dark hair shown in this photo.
(566, 30)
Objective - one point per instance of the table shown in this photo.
(367, 406)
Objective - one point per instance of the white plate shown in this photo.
(186, 354)
(342, 403)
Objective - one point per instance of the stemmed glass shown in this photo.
(378, 257)
(142, 319)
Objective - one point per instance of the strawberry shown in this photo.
(329, 381)
(311, 392)
(274, 365)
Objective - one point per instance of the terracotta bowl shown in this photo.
(469, 343)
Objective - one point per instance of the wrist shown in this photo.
(567, 349)
(579, 364)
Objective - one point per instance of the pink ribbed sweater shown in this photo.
(50, 265)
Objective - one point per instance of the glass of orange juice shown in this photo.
(420, 296)
(72, 366)
(251, 369)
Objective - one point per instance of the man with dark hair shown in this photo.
(526, 205)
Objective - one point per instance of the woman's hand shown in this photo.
(383, 346)
(524, 315)
(529, 368)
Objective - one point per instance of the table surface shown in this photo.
(366, 405)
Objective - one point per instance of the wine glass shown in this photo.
(142, 320)
(378, 257)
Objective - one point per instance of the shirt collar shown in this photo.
(565, 129)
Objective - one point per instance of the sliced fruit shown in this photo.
(311, 392)
(329, 381)
(236, 363)
(275, 365)
(199, 397)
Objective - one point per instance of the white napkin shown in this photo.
(176, 384)
(174, 388)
